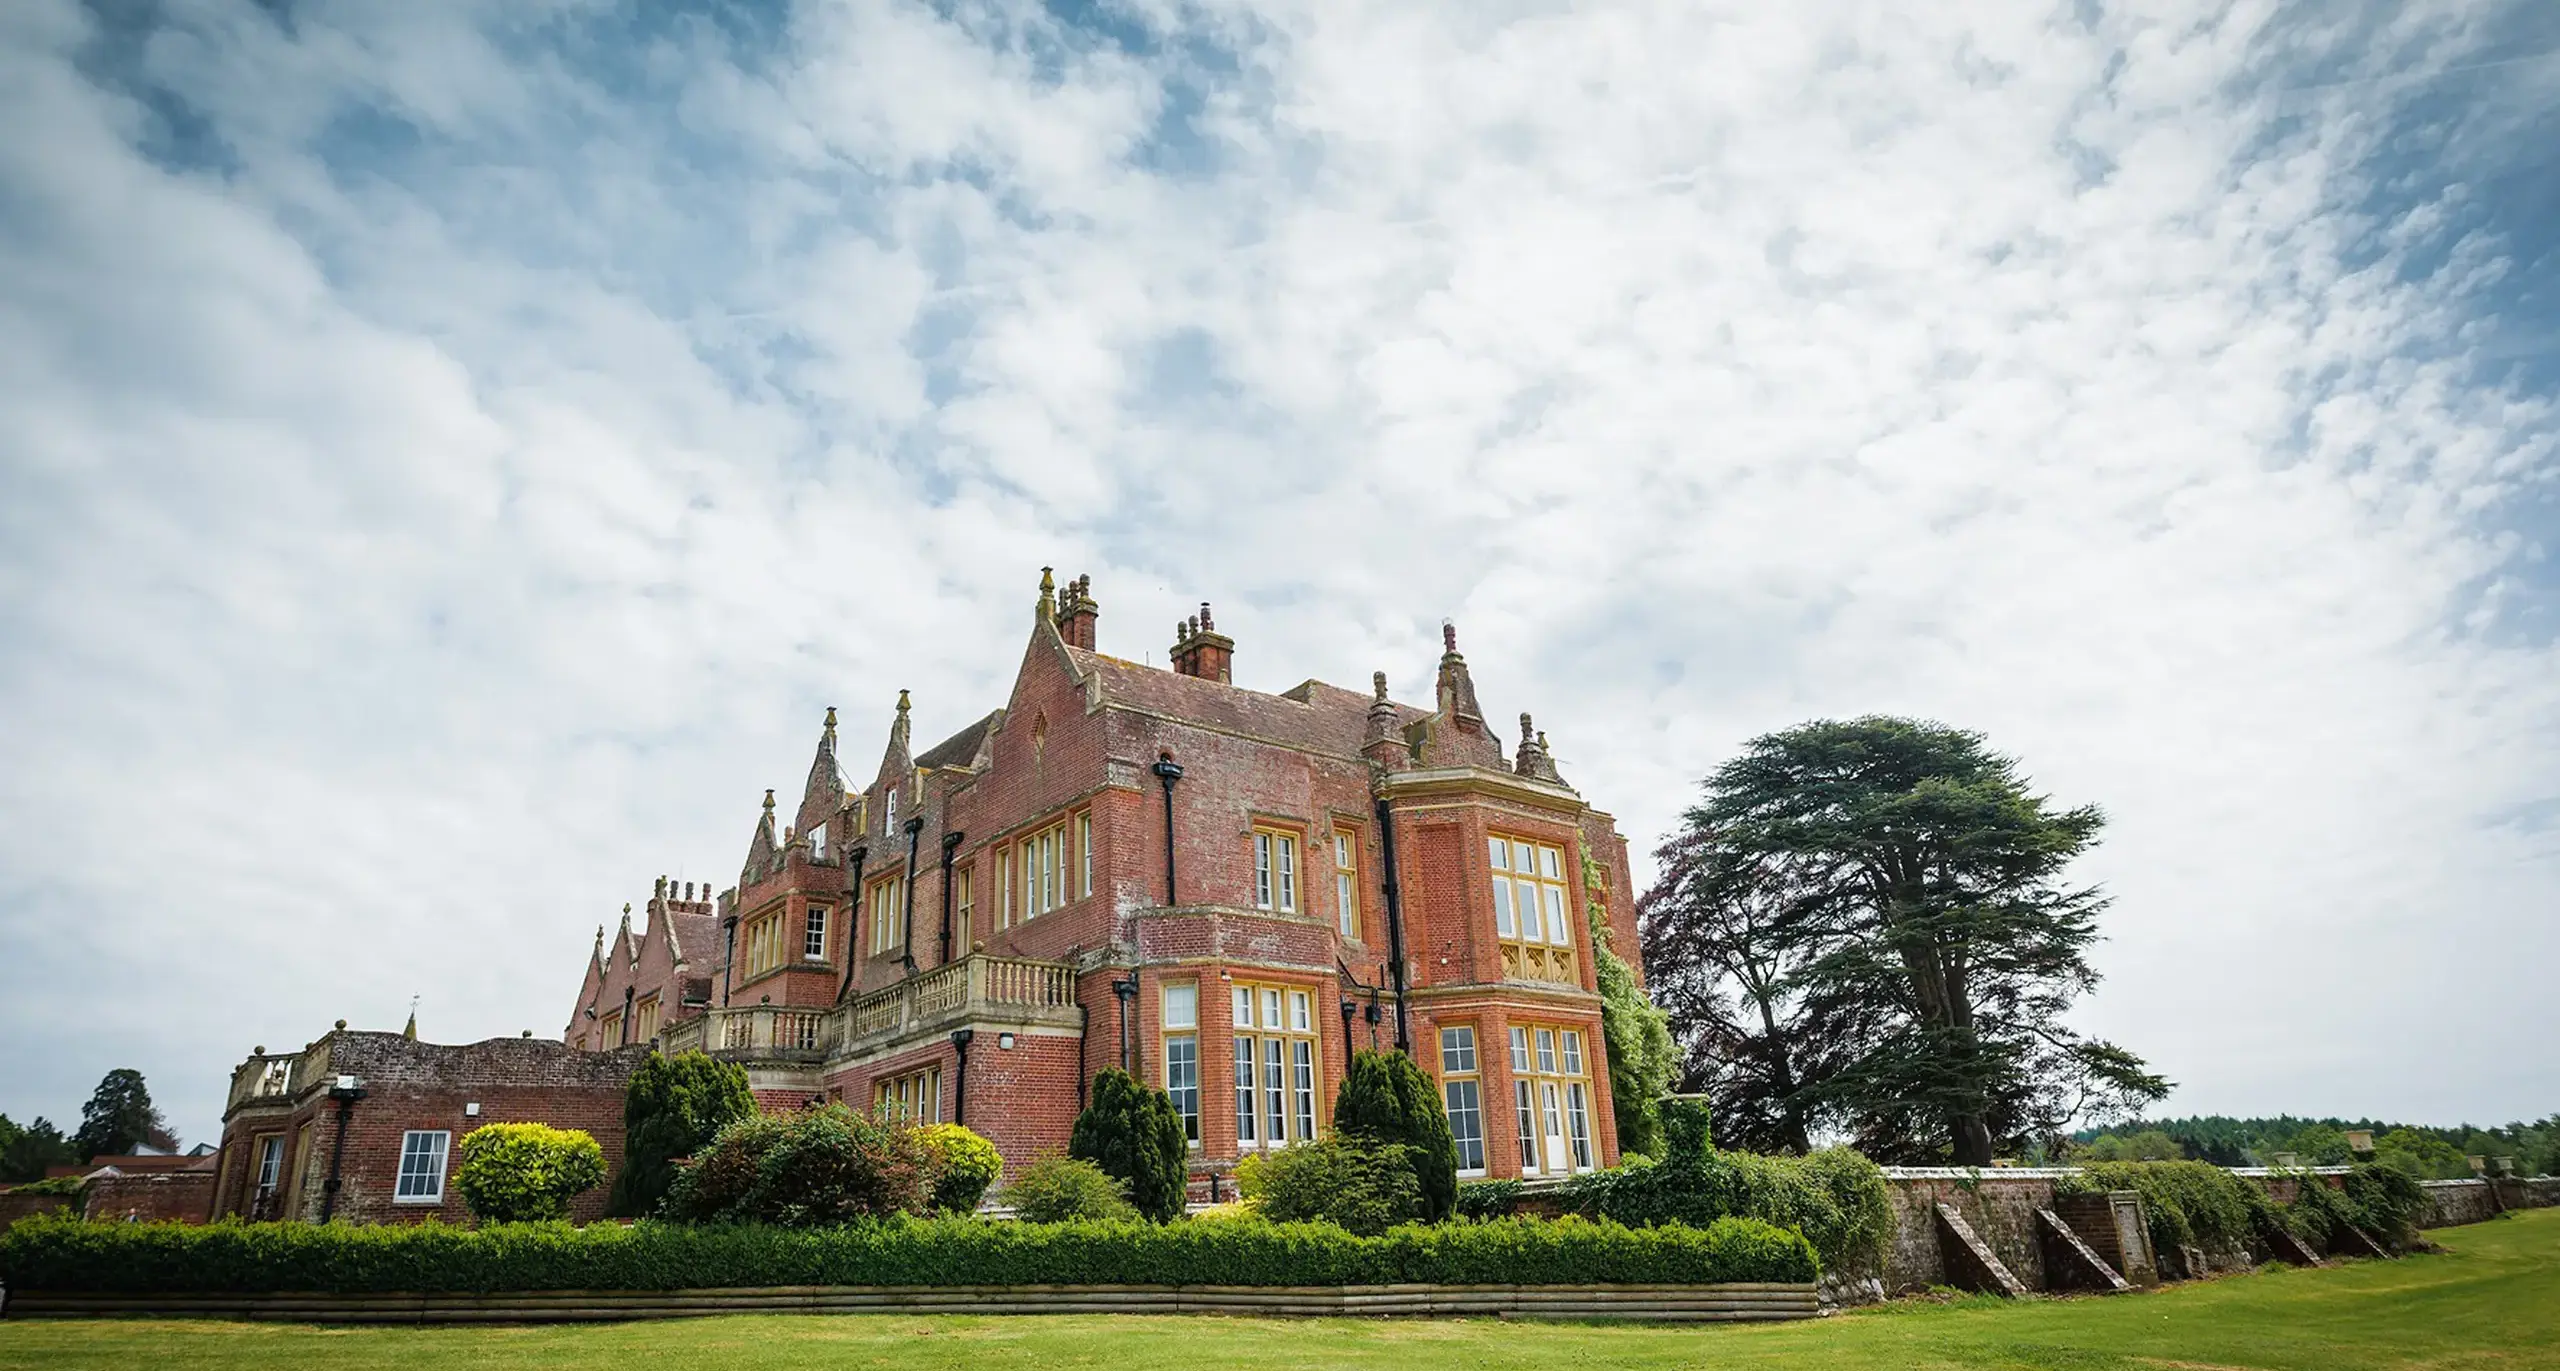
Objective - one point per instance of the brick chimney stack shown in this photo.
(1077, 613)
(1199, 649)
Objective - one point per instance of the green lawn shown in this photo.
(2491, 1300)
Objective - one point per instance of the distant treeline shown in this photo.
(2420, 1149)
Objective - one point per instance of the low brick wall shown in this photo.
(2459, 1202)
(1999, 1205)
(14, 1207)
(1735, 1303)
(167, 1196)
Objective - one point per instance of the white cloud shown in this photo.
(444, 503)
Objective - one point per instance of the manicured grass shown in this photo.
(2492, 1300)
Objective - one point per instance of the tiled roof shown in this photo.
(1314, 717)
(692, 936)
(960, 748)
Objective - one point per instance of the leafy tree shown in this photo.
(525, 1172)
(673, 1107)
(26, 1151)
(1638, 1035)
(1386, 1098)
(2149, 1145)
(1930, 907)
(1727, 937)
(2421, 1157)
(1132, 1131)
(118, 1117)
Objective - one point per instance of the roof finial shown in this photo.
(902, 702)
(1378, 685)
(1448, 635)
(662, 888)
(1048, 594)
(768, 804)
(1527, 730)
(831, 718)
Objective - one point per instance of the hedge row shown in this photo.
(66, 1256)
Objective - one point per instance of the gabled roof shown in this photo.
(698, 932)
(1313, 716)
(961, 748)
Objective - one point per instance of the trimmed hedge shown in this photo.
(1834, 1197)
(69, 1256)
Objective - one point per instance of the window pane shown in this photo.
(1084, 854)
(1298, 1011)
(1262, 871)
(1182, 1005)
(1182, 1081)
(1457, 1050)
(1524, 858)
(1244, 1086)
(1556, 926)
(1546, 1052)
(1501, 852)
(1527, 900)
(1466, 1124)
(1502, 923)
(1554, 1116)
(1275, 1092)
(1519, 1049)
(1528, 1125)
(1578, 1122)
(1287, 880)
(1347, 911)
(1547, 864)
(1244, 1008)
(1572, 1053)
(1302, 1072)
(1271, 1009)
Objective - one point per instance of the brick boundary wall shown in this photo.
(167, 1196)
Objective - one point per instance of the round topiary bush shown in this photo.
(963, 1164)
(525, 1172)
(1132, 1131)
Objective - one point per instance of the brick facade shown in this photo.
(917, 881)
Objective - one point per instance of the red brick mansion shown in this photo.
(1221, 890)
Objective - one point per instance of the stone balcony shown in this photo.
(977, 987)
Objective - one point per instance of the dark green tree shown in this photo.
(1386, 1098)
(672, 1109)
(119, 1116)
(26, 1151)
(1132, 1131)
(1938, 904)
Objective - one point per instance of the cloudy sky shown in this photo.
(452, 454)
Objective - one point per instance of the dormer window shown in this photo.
(889, 809)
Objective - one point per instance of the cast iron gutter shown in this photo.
(1395, 920)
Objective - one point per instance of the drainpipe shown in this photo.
(852, 918)
(629, 992)
(1395, 921)
(950, 845)
(960, 1040)
(346, 1092)
(1168, 772)
(907, 954)
(728, 956)
(1126, 989)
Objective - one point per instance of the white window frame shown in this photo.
(1275, 870)
(814, 931)
(1084, 854)
(1278, 1044)
(409, 1176)
(818, 841)
(1461, 1073)
(1180, 1019)
(270, 1163)
(1346, 883)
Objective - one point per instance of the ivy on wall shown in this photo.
(1637, 1033)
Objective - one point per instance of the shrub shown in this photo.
(1060, 1189)
(964, 1165)
(2385, 1201)
(810, 1167)
(525, 1172)
(1488, 1199)
(1132, 1131)
(66, 1255)
(1386, 1098)
(1641, 1054)
(2187, 1203)
(1834, 1197)
(672, 1109)
(1363, 1185)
